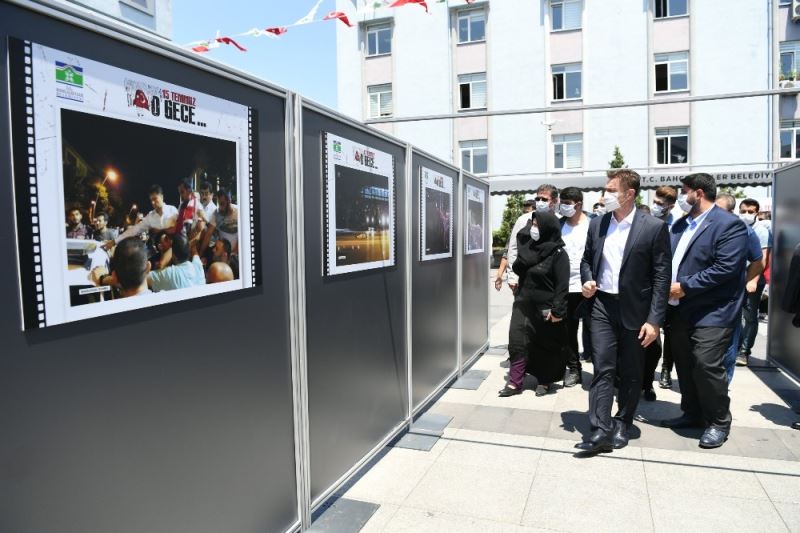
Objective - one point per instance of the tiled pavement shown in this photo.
(508, 464)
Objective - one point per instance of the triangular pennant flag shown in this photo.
(200, 48)
(228, 40)
(400, 3)
(338, 15)
(310, 16)
(278, 30)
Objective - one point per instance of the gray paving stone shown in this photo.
(467, 383)
(430, 424)
(413, 441)
(460, 412)
(343, 516)
(529, 422)
(760, 443)
(488, 418)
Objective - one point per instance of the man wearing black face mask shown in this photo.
(625, 272)
(708, 277)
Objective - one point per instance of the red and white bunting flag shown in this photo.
(400, 3)
(228, 40)
(277, 30)
(200, 48)
(333, 15)
(310, 16)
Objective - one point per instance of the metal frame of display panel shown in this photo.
(83, 18)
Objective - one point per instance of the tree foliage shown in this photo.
(511, 213)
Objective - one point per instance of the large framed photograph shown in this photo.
(130, 191)
(359, 207)
(475, 209)
(436, 215)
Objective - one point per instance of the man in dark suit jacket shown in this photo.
(709, 249)
(625, 271)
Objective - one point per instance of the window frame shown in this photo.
(471, 83)
(669, 63)
(468, 14)
(789, 48)
(375, 29)
(471, 150)
(564, 142)
(668, 137)
(373, 90)
(568, 68)
(150, 9)
(668, 16)
(794, 127)
(562, 3)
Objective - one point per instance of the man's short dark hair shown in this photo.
(701, 181)
(224, 192)
(180, 248)
(101, 214)
(644, 208)
(730, 201)
(227, 245)
(205, 186)
(598, 204)
(628, 179)
(548, 188)
(528, 203)
(70, 210)
(667, 193)
(186, 183)
(572, 193)
(751, 202)
(130, 263)
(156, 189)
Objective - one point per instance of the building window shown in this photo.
(566, 14)
(790, 130)
(672, 72)
(379, 40)
(143, 5)
(567, 82)
(380, 101)
(790, 54)
(475, 156)
(671, 8)
(568, 151)
(672, 146)
(472, 26)
(472, 91)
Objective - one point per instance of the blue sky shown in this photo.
(303, 60)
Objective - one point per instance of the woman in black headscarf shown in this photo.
(538, 335)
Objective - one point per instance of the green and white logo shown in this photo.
(69, 74)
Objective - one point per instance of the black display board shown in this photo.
(354, 323)
(173, 418)
(434, 298)
(784, 338)
(475, 295)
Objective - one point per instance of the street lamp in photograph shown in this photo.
(112, 176)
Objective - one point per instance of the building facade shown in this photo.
(152, 15)
(504, 55)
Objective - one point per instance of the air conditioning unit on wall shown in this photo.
(795, 10)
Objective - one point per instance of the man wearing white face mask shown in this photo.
(545, 201)
(626, 273)
(748, 212)
(574, 228)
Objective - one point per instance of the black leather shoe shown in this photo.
(543, 390)
(509, 391)
(573, 378)
(649, 395)
(666, 380)
(620, 437)
(599, 442)
(683, 421)
(713, 438)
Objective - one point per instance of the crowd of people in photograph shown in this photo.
(169, 248)
(627, 272)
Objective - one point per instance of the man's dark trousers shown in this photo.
(610, 338)
(574, 299)
(699, 354)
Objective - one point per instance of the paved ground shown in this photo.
(508, 464)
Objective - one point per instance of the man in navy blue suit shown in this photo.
(709, 249)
